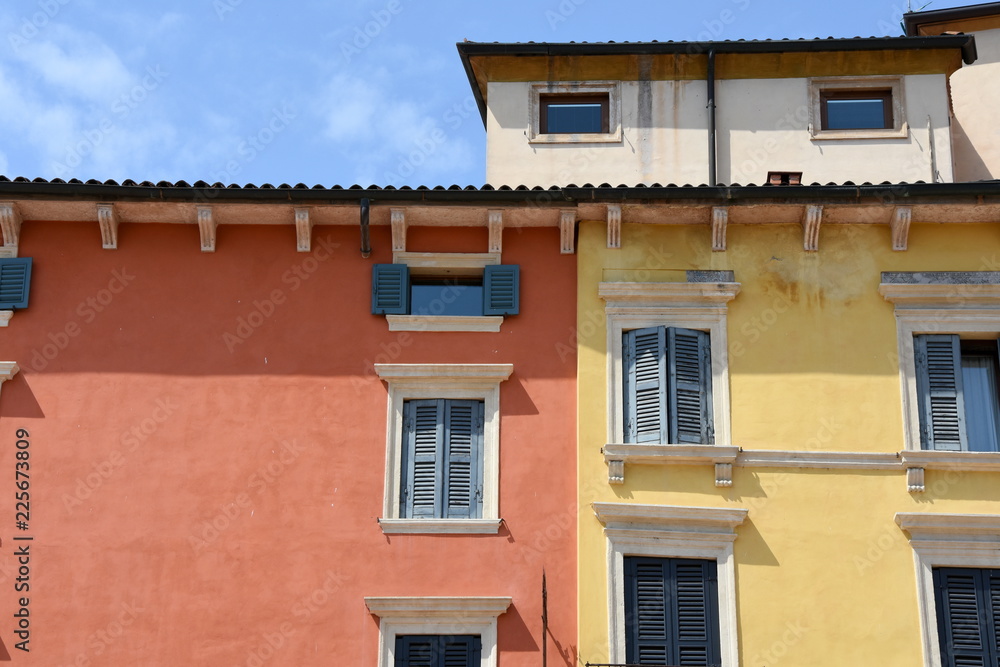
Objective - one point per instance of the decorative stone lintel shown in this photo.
(206, 225)
(614, 226)
(673, 294)
(812, 218)
(720, 220)
(496, 230)
(10, 223)
(935, 527)
(397, 218)
(915, 480)
(900, 225)
(567, 231)
(670, 518)
(433, 607)
(108, 219)
(303, 230)
(5, 316)
(8, 369)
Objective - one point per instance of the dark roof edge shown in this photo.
(913, 20)
(478, 94)
(554, 196)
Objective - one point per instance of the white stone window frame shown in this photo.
(900, 128)
(611, 88)
(437, 616)
(665, 531)
(443, 381)
(946, 540)
(691, 305)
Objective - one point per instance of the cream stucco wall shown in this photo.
(976, 98)
(762, 126)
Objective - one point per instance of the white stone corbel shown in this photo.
(567, 231)
(397, 217)
(496, 230)
(723, 474)
(900, 224)
(616, 472)
(8, 369)
(10, 222)
(5, 317)
(915, 480)
(108, 219)
(303, 230)
(614, 226)
(720, 219)
(811, 220)
(206, 224)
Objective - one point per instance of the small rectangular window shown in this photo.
(493, 291)
(856, 109)
(573, 114)
(444, 295)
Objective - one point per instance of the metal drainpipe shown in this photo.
(711, 117)
(366, 246)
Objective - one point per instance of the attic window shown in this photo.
(784, 177)
(856, 109)
(573, 114)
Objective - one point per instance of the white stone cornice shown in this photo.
(8, 369)
(419, 607)
(496, 230)
(667, 294)
(947, 297)
(397, 218)
(10, 223)
(900, 224)
(822, 460)
(676, 454)
(567, 231)
(670, 518)
(206, 226)
(467, 323)
(614, 226)
(812, 218)
(720, 220)
(451, 261)
(440, 526)
(107, 217)
(303, 230)
(932, 526)
(459, 373)
(958, 461)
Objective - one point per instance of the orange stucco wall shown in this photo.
(206, 481)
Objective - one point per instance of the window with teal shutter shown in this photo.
(442, 461)
(668, 386)
(438, 651)
(671, 612)
(957, 392)
(398, 291)
(968, 614)
(15, 281)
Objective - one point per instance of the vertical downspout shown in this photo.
(545, 622)
(366, 246)
(711, 117)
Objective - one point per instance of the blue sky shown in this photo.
(313, 91)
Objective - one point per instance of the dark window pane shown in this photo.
(574, 118)
(979, 383)
(446, 297)
(855, 114)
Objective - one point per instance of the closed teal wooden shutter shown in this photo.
(645, 386)
(390, 289)
(501, 288)
(422, 461)
(938, 360)
(15, 282)
(671, 612)
(463, 452)
(438, 651)
(968, 603)
(690, 395)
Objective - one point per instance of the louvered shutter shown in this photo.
(390, 289)
(501, 287)
(690, 387)
(463, 452)
(967, 601)
(938, 361)
(422, 469)
(462, 652)
(15, 281)
(696, 622)
(646, 615)
(645, 391)
(438, 651)
(415, 651)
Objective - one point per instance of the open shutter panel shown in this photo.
(463, 474)
(939, 390)
(962, 626)
(424, 424)
(690, 387)
(415, 651)
(696, 626)
(647, 640)
(15, 281)
(462, 652)
(645, 395)
(501, 287)
(390, 289)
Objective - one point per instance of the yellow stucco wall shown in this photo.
(824, 575)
